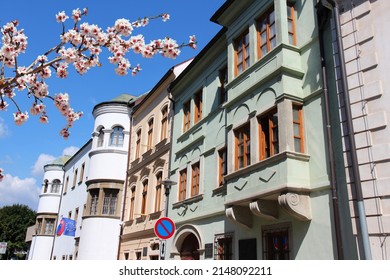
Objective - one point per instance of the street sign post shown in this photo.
(163, 247)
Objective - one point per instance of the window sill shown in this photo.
(186, 201)
(263, 163)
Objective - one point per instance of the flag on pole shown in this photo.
(66, 227)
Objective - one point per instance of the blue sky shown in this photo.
(25, 149)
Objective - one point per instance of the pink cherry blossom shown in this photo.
(165, 17)
(20, 118)
(3, 105)
(43, 119)
(61, 17)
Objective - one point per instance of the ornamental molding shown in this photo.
(267, 209)
(297, 205)
(240, 215)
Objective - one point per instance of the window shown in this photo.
(82, 173)
(198, 100)
(110, 202)
(164, 122)
(242, 53)
(70, 215)
(269, 144)
(100, 138)
(298, 129)
(291, 24)
(223, 247)
(157, 202)
(76, 214)
(45, 186)
(266, 31)
(138, 144)
(39, 225)
(222, 168)
(150, 134)
(183, 184)
(276, 244)
(75, 177)
(117, 136)
(144, 197)
(93, 209)
(132, 202)
(66, 184)
(223, 82)
(187, 115)
(243, 147)
(49, 226)
(55, 186)
(195, 179)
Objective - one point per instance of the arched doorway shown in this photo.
(190, 248)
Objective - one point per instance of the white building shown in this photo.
(87, 188)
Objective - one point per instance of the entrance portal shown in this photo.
(189, 248)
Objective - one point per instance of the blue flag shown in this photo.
(66, 227)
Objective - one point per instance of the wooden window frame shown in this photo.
(132, 203)
(182, 185)
(144, 202)
(75, 178)
(222, 165)
(82, 171)
(198, 102)
(266, 17)
(164, 122)
(269, 145)
(150, 134)
(242, 46)
(186, 115)
(243, 141)
(299, 122)
(157, 202)
(292, 18)
(223, 79)
(138, 144)
(195, 178)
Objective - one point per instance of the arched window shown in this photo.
(55, 186)
(116, 138)
(100, 138)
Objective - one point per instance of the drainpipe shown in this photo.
(321, 20)
(366, 253)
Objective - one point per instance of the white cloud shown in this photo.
(70, 151)
(3, 128)
(43, 159)
(14, 190)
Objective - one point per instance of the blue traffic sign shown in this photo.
(164, 228)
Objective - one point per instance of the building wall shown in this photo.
(148, 166)
(363, 24)
(49, 203)
(289, 189)
(74, 197)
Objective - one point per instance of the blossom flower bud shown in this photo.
(3, 105)
(61, 17)
(20, 118)
(43, 119)
(123, 26)
(165, 17)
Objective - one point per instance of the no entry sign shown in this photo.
(164, 228)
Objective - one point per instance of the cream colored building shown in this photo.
(148, 166)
